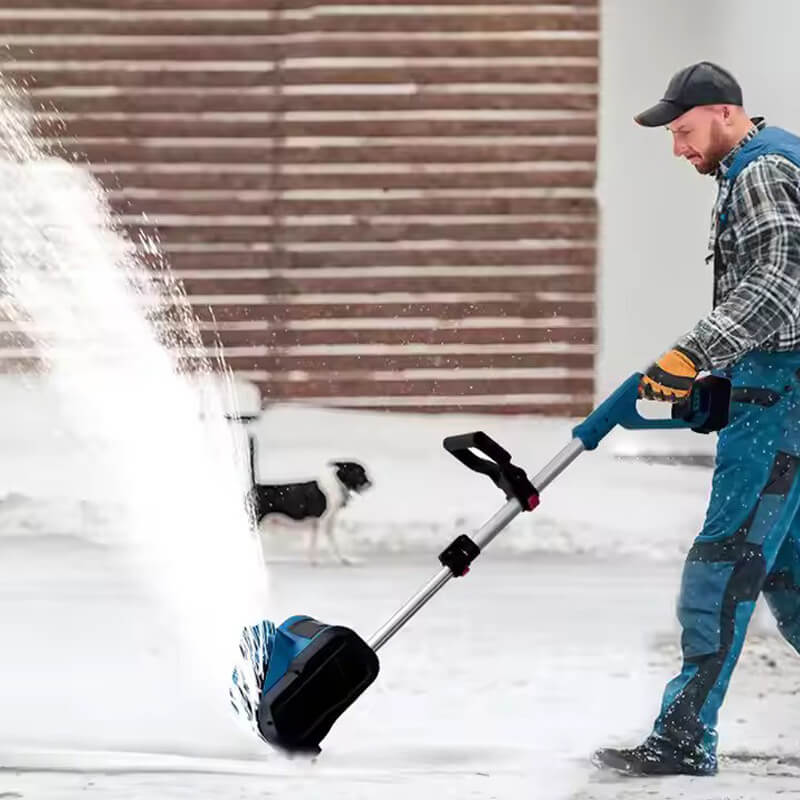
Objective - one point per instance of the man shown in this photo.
(750, 540)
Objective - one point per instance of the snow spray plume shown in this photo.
(109, 335)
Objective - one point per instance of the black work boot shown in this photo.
(657, 756)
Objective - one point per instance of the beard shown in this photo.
(718, 148)
(708, 166)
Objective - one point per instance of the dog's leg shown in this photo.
(312, 543)
(329, 532)
(251, 451)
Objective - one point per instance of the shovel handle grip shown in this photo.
(704, 410)
(463, 445)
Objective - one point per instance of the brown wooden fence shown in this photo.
(383, 205)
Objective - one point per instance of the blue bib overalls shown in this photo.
(750, 540)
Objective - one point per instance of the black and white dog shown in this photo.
(315, 503)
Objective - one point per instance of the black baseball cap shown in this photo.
(703, 84)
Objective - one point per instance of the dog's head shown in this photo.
(351, 475)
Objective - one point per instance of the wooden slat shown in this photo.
(282, 338)
(279, 390)
(365, 232)
(283, 362)
(278, 310)
(155, 24)
(577, 410)
(247, 101)
(278, 128)
(269, 50)
(457, 255)
(259, 5)
(581, 282)
(241, 152)
(278, 338)
(139, 176)
(277, 205)
(160, 76)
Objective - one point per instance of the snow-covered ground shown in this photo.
(560, 640)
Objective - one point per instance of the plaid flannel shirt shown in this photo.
(757, 294)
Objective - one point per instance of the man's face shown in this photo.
(700, 137)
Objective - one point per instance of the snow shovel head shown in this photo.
(316, 671)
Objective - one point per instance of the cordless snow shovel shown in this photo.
(316, 670)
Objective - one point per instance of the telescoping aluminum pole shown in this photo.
(488, 531)
(704, 410)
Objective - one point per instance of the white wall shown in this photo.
(655, 210)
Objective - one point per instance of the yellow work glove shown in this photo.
(670, 378)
